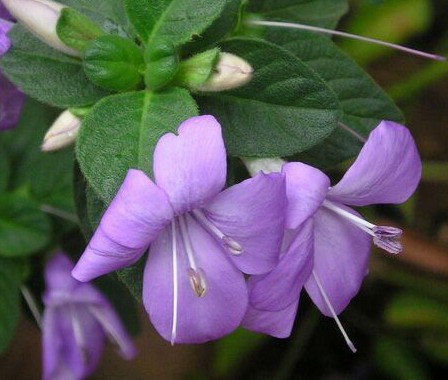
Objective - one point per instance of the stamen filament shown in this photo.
(230, 244)
(333, 313)
(108, 328)
(346, 35)
(175, 283)
(32, 305)
(352, 132)
(348, 215)
(78, 334)
(187, 242)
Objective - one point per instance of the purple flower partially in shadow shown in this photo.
(201, 239)
(11, 99)
(76, 322)
(328, 245)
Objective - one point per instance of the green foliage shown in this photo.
(76, 30)
(114, 63)
(103, 148)
(47, 75)
(24, 229)
(176, 21)
(4, 169)
(364, 104)
(324, 13)
(10, 279)
(195, 71)
(162, 63)
(285, 100)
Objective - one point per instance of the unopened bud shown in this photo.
(40, 17)
(230, 72)
(62, 133)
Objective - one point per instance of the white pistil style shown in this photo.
(175, 282)
(32, 305)
(384, 237)
(333, 313)
(229, 243)
(196, 275)
(290, 25)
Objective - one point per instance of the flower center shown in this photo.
(384, 237)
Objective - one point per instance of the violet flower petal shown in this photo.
(306, 188)
(281, 287)
(4, 14)
(200, 319)
(5, 43)
(137, 214)
(341, 257)
(191, 167)
(11, 102)
(252, 214)
(275, 323)
(387, 170)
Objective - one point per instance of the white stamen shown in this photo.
(347, 35)
(187, 243)
(197, 281)
(32, 305)
(79, 335)
(352, 132)
(175, 282)
(333, 313)
(384, 237)
(111, 331)
(229, 243)
(348, 215)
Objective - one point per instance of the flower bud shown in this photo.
(40, 17)
(230, 72)
(62, 133)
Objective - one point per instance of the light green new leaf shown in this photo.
(286, 108)
(24, 229)
(121, 132)
(363, 102)
(10, 279)
(176, 21)
(325, 13)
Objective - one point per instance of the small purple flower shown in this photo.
(11, 99)
(76, 322)
(328, 251)
(200, 239)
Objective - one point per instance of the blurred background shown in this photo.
(399, 320)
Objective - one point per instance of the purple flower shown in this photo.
(200, 240)
(327, 249)
(11, 99)
(76, 321)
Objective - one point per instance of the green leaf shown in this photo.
(397, 361)
(286, 108)
(47, 75)
(47, 176)
(4, 169)
(114, 63)
(194, 71)
(76, 30)
(325, 13)
(162, 63)
(363, 102)
(10, 280)
(24, 229)
(116, 123)
(176, 21)
(418, 312)
(108, 14)
(218, 30)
